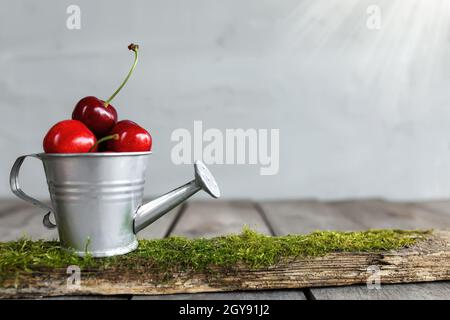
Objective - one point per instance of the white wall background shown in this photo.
(362, 113)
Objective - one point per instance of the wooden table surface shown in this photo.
(213, 218)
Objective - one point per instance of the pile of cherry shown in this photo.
(94, 127)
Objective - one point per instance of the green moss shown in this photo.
(176, 253)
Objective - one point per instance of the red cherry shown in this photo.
(128, 136)
(69, 136)
(98, 115)
(95, 115)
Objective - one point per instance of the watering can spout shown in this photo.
(151, 211)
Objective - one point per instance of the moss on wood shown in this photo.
(177, 253)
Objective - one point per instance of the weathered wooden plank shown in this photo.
(159, 228)
(427, 260)
(401, 215)
(288, 217)
(26, 221)
(87, 297)
(419, 291)
(209, 219)
(246, 295)
(9, 205)
(384, 214)
(441, 207)
(397, 215)
(304, 216)
(310, 215)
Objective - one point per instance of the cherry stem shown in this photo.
(134, 48)
(106, 138)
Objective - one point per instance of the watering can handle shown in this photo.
(15, 188)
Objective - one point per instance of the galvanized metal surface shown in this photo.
(153, 210)
(97, 196)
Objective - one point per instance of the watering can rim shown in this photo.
(92, 154)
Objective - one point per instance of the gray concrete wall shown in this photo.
(361, 112)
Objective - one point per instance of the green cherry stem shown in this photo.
(135, 49)
(106, 138)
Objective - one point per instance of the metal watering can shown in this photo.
(97, 198)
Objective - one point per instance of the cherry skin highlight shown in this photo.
(93, 113)
(131, 138)
(69, 136)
